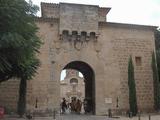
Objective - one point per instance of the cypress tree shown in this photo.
(132, 88)
(156, 84)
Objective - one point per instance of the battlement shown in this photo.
(75, 17)
(43, 4)
(50, 10)
(102, 12)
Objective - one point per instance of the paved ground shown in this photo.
(85, 117)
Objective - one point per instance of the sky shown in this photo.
(144, 12)
(63, 74)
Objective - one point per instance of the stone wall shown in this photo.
(125, 40)
(79, 18)
(45, 88)
(9, 95)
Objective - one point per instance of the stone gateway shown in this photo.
(77, 36)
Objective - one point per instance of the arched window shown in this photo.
(93, 36)
(65, 35)
(83, 35)
(74, 35)
(73, 81)
(65, 32)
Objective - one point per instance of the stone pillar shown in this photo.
(100, 90)
(54, 88)
(99, 96)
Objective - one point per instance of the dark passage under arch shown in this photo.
(89, 79)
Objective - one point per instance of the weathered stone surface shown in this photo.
(106, 53)
(79, 18)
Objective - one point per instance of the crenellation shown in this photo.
(102, 12)
(49, 4)
(50, 10)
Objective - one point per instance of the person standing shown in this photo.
(64, 105)
(78, 106)
(85, 106)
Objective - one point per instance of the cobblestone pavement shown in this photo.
(85, 117)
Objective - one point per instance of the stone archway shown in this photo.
(89, 79)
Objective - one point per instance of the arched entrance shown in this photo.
(89, 80)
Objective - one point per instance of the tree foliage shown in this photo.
(19, 44)
(157, 39)
(132, 88)
(157, 44)
(156, 70)
(156, 83)
(18, 41)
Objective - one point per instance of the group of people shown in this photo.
(74, 106)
